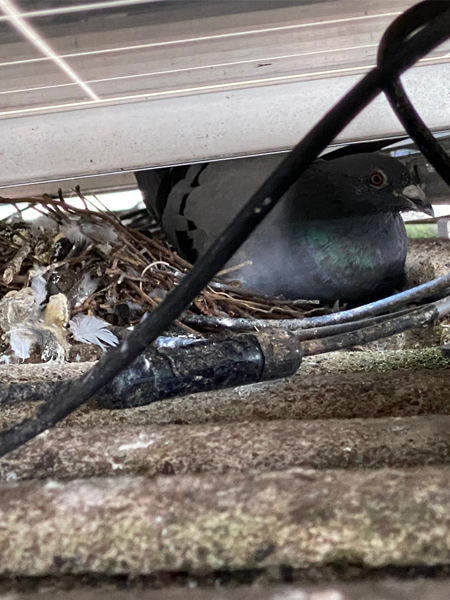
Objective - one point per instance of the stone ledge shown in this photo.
(73, 453)
(203, 524)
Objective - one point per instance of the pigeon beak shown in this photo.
(417, 200)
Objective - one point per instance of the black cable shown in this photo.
(415, 294)
(411, 121)
(396, 94)
(316, 333)
(417, 318)
(263, 200)
(170, 370)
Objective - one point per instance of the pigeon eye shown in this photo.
(377, 179)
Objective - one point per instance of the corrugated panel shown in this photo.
(140, 83)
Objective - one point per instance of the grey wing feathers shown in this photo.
(174, 219)
(209, 197)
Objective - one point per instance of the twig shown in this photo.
(234, 268)
(153, 302)
(142, 253)
(15, 264)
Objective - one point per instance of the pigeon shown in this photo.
(336, 235)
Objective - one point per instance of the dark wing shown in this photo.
(201, 204)
(156, 185)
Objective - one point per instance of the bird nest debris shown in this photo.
(79, 277)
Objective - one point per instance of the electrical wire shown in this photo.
(425, 315)
(169, 369)
(396, 94)
(411, 296)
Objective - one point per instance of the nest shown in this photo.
(100, 266)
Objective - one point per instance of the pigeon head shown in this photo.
(361, 184)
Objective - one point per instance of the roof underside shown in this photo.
(90, 88)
